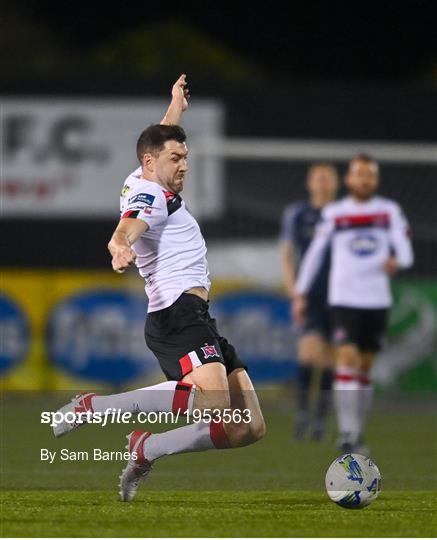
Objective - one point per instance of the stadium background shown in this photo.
(268, 100)
(70, 117)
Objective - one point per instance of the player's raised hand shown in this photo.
(180, 92)
(122, 259)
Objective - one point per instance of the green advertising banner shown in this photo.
(409, 360)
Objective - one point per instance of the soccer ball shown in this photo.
(353, 481)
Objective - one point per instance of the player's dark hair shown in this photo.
(153, 138)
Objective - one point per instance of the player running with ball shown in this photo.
(204, 372)
(368, 238)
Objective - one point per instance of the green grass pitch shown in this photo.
(273, 488)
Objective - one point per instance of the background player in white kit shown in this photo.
(369, 240)
(157, 232)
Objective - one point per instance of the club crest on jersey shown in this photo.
(144, 198)
(125, 191)
(210, 351)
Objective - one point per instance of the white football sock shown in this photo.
(167, 396)
(366, 398)
(347, 402)
(195, 437)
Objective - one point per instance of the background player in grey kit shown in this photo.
(314, 350)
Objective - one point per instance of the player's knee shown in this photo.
(312, 350)
(258, 429)
(347, 355)
(243, 434)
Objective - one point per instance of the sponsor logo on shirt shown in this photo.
(144, 198)
(364, 245)
(210, 351)
(139, 208)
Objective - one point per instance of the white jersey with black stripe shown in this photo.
(361, 236)
(171, 254)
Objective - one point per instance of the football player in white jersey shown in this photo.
(369, 240)
(158, 234)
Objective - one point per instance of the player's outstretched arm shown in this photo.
(309, 267)
(400, 241)
(288, 269)
(179, 102)
(127, 233)
(287, 249)
(313, 258)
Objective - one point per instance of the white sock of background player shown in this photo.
(366, 398)
(195, 437)
(166, 397)
(347, 402)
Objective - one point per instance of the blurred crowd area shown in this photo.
(259, 116)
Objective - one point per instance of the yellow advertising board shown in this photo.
(35, 293)
(33, 301)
